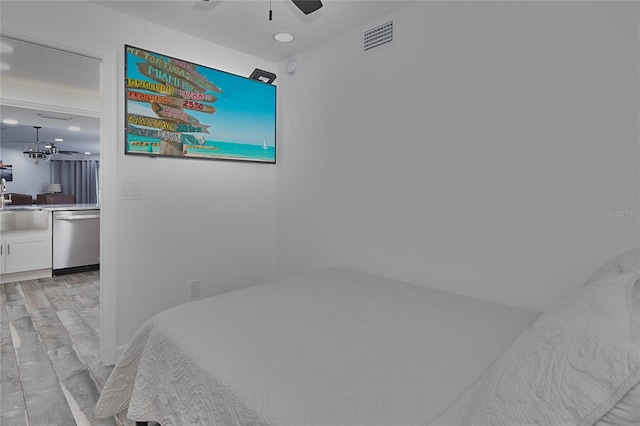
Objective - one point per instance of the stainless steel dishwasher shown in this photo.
(76, 241)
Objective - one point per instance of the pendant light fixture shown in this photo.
(34, 153)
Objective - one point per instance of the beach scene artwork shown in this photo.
(176, 108)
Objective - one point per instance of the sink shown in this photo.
(23, 220)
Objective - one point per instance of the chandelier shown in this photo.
(38, 155)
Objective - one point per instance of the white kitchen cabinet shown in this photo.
(26, 252)
(25, 245)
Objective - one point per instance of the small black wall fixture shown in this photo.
(263, 76)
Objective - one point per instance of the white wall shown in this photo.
(207, 220)
(27, 177)
(479, 154)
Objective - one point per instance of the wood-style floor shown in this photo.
(50, 370)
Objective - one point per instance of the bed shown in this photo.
(340, 347)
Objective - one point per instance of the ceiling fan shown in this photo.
(37, 154)
(305, 6)
(54, 149)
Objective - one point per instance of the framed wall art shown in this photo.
(176, 108)
(6, 171)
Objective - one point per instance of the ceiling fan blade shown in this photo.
(307, 6)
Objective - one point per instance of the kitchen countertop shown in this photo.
(52, 207)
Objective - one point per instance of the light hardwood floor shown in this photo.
(50, 370)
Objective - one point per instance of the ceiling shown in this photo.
(244, 25)
(53, 126)
(241, 25)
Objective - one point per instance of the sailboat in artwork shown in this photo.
(264, 144)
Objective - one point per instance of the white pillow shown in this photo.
(625, 412)
(574, 363)
(628, 262)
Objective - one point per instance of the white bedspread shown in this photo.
(334, 347)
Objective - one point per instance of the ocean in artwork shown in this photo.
(210, 149)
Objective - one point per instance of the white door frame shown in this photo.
(108, 181)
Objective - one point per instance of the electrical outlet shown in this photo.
(196, 287)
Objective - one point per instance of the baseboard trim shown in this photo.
(76, 269)
(25, 275)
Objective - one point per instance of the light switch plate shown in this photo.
(131, 191)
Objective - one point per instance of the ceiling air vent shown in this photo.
(378, 37)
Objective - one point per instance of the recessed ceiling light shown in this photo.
(283, 37)
(74, 128)
(4, 67)
(10, 121)
(58, 140)
(87, 153)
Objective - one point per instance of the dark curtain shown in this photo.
(77, 177)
